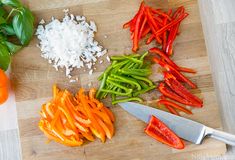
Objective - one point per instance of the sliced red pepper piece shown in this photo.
(178, 12)
(171, 109)
(172, 104)
(176, 86)
(152, 24)
(164, 36)
(159, 12)
(170, 62)
(145, 31)
(187, 70)
(136, 31)
(133, 20)
(170, 94)
(159, 131)
(142, 27)
(171, 24)
(176, 73)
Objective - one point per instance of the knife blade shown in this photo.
(187, 129)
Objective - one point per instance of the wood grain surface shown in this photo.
(33, 78)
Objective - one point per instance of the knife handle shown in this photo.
(221, 136)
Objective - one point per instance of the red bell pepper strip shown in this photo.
(164, 36)
(159, 12)
(128, 24)
(142, 27)
(172, 104)
(145, 31)
(188, 70)
(150, 39)
(159, 131)
(152, 24)
(176, 86)
(170, 94)
(169, 61)
(136, 31)
(170, 109)
(171, 24)
(175, 72)
(178, 12)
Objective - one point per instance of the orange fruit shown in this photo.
(3, 79)
(3, 94)
(3, 87)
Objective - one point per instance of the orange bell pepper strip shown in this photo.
(105, 127)
(110, 114)
(96, 127)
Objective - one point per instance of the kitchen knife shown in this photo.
(187, 129)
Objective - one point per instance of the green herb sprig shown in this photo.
(17, 23)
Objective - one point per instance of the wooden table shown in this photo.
(218, 23)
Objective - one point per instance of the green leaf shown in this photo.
(4, 57)
(2, 20)
(12, 3)
(13, 48)
(2, 37)
(9, 30)
(23, 25)
(2, 12)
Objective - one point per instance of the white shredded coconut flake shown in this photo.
(69, 43)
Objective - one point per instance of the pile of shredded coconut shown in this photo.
(69, 44)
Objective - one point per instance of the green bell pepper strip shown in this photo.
(127, 80)
(121, 63)
(118, 58)
(134, 60)
(119, 85)
(143, 79)
(127, 100)
(138, 72)
(143, 85)
(105, 75)
(107, 70)
(144, 90)
(143, 56)
(104, 94)
(117, 93)
(120, 80)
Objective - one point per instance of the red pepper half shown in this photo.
(176, 86)
(159, 131)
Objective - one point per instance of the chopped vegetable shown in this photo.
(162, 26)
(174, 105)
(176, 86)
(125, 79)
(3, 87)
(18, 22)
(70, 43)
(159, 131)
(70, 120)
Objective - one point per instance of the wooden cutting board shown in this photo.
(33, 78)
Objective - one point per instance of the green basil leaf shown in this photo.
(2, 20)
(23, 25)
(4, 57)
(13, 48)
(2, 37)
(9, 30)
(2, 12)
(12, 3)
